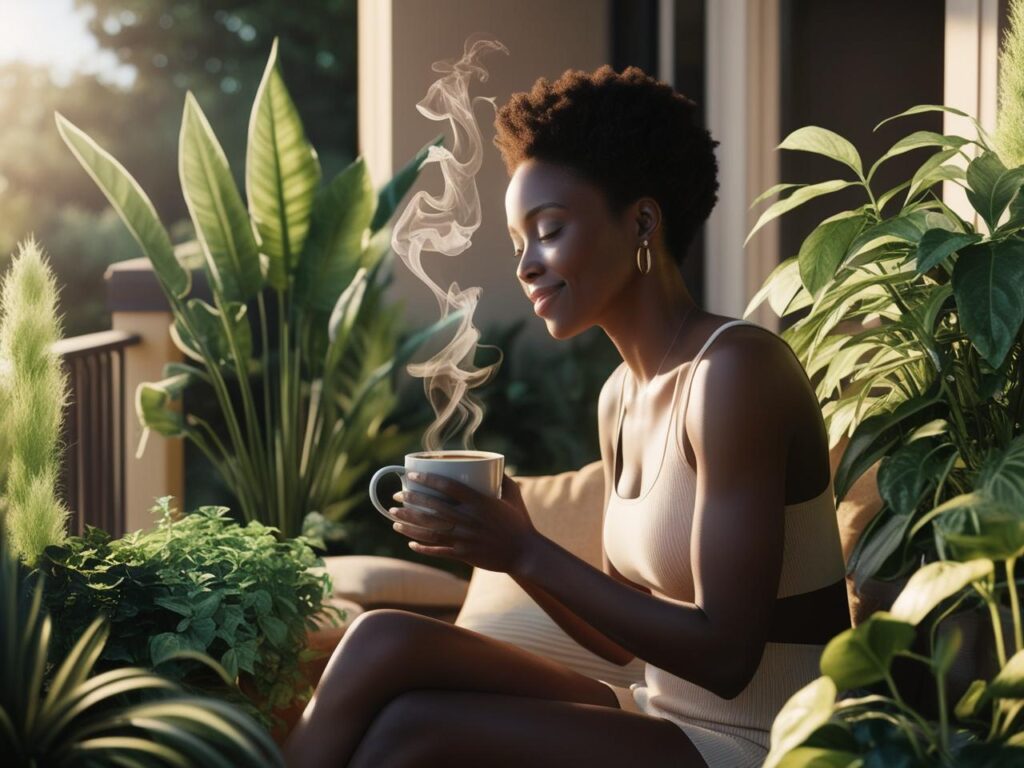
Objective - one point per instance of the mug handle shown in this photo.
(398, 470)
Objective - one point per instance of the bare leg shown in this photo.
(422, 729)
(387, 653)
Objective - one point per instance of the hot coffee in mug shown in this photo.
(480, 470)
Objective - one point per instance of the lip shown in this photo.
(543, 297)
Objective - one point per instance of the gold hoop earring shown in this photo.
(642, 270)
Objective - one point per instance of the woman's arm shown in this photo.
(740, 436)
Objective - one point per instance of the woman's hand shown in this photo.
(489, 533)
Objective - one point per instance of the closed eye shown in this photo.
(518, 254)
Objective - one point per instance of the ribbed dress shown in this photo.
(647, 539)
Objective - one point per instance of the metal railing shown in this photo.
(93, 458)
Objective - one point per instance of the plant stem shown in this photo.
(1011, 583)
(997, 624)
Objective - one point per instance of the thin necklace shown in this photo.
(670, 345)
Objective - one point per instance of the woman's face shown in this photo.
(573, 258)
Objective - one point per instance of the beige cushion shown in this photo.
(566, 508)
(373, 581)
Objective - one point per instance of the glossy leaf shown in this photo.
(877, 435)
(798, 198)
(861, 656)
(1002, 477)
(821, 141)
(816, 757)
(906, 473)
(212, 326)
(937, 245)
(917, 140)
(823, 250)
(218, 214)
(282, 173)
(800, 716)
(886, 533)
(779, 288)
(971, 700)
(132, 205)
(988, 281)
(933, 583)
(991, 186)
(341, 217)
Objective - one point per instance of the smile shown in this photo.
(546, 300)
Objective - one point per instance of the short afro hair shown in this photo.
(629, 134)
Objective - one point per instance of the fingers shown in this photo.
(439, 510)
(427, 535)
(445, 485)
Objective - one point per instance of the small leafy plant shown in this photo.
(291, 346)
(55, 710)
(202, 583)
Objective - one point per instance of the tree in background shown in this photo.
(217, 49)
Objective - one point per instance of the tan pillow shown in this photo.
(374, 581)
(566, 508)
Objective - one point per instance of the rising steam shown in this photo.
(445, 225)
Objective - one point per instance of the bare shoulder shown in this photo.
(748, 359)
(607, 402)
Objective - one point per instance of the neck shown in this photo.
(647, 316)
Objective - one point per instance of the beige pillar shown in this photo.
(138, 307)
(743, 116)
(970, 83)
(398, 42)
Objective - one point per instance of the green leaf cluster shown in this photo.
(57, 710)
(199, 584)
(910, 323)
(298, 347)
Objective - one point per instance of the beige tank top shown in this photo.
(647, 539)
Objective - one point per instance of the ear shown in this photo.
(648, 217)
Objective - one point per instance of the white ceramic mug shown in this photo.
(480, 470)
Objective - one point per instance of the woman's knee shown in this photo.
(380, 635)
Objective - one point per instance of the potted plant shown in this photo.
(982, 536)
(198, 584)
(910, 326)
(290, 346)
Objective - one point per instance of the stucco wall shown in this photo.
(398, 42)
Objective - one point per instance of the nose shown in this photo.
(530, 266)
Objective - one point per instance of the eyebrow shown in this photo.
(538, 208)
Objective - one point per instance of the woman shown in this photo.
(722, 569)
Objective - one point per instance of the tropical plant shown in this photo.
(910, 326)
(985, 727)
(55, 711)
(302, 260)
(35, 390)
(201, 583)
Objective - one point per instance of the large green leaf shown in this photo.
(212, 326)
(337, 235)
(281, 175)
(988, 281)
(991, 186)
(391, 194)
(905, 228)
(861, 656)
(1002, 477)
(221, 221)
(877, 435)
(779, 288)
(936, 245)
(885, 534)
(917, 140)
(933, 583)
(800, 716)
(799, 197)
(132, 205)
(818, 757)
(821, 141)
(905, 474)
(823, 250)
